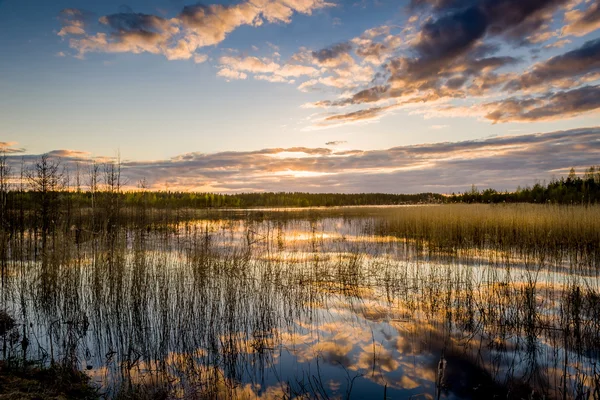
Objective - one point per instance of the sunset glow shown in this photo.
(242, 95)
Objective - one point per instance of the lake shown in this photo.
(400, 303)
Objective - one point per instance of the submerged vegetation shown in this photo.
(429, 301)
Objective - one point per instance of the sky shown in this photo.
(305, 95)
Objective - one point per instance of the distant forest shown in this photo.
(570, 190)
(46, 183)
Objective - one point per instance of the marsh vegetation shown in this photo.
(433, 301)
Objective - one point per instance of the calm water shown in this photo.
(271, 307)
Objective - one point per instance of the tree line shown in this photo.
(572, 189)
(46, 188)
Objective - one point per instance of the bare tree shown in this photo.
(45, 175)
(46, 179)
(66, 181)
(4, 235)
(142, 184)
(5, 172)
(112, 189)
(112, 177)
(78, 177)
(93, 173)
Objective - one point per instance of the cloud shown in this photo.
(446, 51)
(230, 74)
(282, 10)
(363, 115)
(502, 162)
(454, 54)
(249, 64)
(265, 69)
(200, 58)
(72, 155)
(334, 56)
(377, 31)
(73, 22)
(558, 44)
(582, 22)
(297, 70)
(370, 95)
(337, 69)
(573, 64)
(551, 106)
(407, 81)
(210, 25)
(128, 22)
(128, 42)
(459, 25)
(336, 143)
(9, 148)
(308, 85)
(273, 79)
(449, 36)
(374, 53)
(409, 85)
(195, 27)
(73, 28)
(443, 77)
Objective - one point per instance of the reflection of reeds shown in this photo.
(154, 302)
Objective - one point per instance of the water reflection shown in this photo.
(327, 308)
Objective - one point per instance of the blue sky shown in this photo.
(165, 81)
